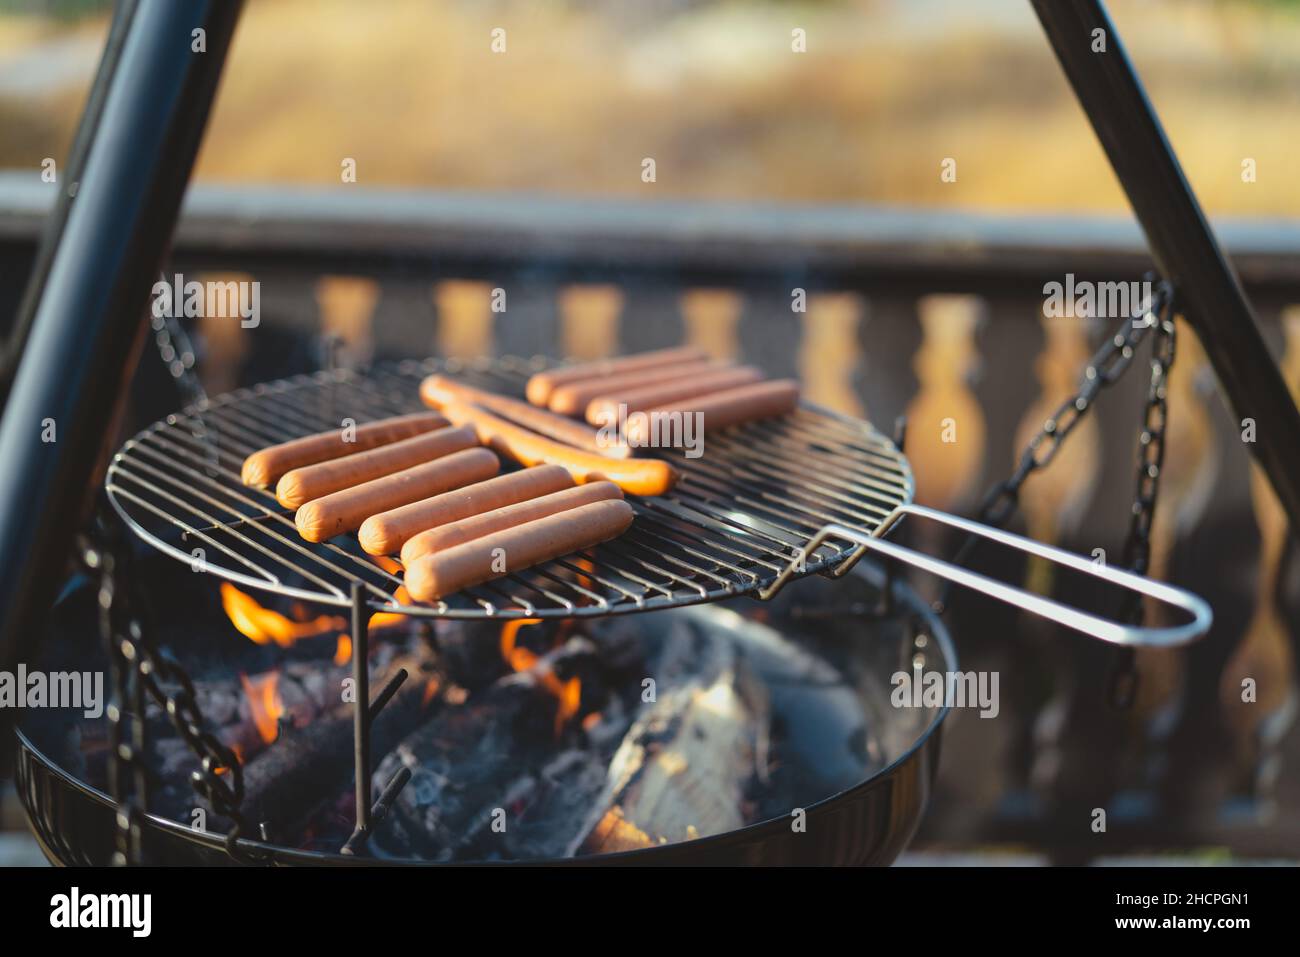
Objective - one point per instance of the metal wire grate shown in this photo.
(740, 514)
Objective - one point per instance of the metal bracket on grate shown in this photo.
(743, 510)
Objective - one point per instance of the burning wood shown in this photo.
(547, 805)
(308, 765)
(684, 767)
(492, 779)
(265, 704)
(567, 693)
(464, 760)
(530, 751)
(246, 715)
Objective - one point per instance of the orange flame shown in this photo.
(238, 753)
(343, 653)
(518, 658)
(263, 626)
(568, 694)
(388, 619)
(265, 706)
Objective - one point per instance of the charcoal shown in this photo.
(308, 765)
(464, 762)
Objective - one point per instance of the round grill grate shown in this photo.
(741, 513)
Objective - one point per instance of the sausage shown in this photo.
(345, 510)
(438, 574)
(386, 532)
(540, 385)
(490, 522)
(265, 466)
(572, 398)
(604, 409)
(742, 404)
(634, 476)
(437, 390)
(313, 481)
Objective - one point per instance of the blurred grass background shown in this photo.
(709, 88)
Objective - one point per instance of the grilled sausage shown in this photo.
(634, 476)
(442, 573)
(265, 466)
(604, 409)
(386, 532)
(490, 522)
(540, 385)
(345, 510)
(744, 404)
(572, 398)
(438, 390)
(313, 481)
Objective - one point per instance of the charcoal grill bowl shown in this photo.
(869, 823)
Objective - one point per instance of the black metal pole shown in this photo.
(88, 321)
(361, 707)
(1182, 243)
(67, 192)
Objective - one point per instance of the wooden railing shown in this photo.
(934, 315)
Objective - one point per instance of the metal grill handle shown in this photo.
(1115, 632)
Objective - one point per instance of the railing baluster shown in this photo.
(651, 318)
(405, 322)
(770, 331)
(528, 322)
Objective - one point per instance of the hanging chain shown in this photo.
(128, 783)
(1107, 365)
(140, 669)
(178, 355)
(1151, 456)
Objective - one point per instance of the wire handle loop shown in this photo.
(1095, 626)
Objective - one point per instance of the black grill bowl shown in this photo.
(869, 823)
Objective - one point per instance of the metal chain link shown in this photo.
(178, 355)
(141, 666)
(1151, 456)
(127, 783)
(1107, 365)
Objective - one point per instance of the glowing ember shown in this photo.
(430, 689)
(264, 704)
(585, 565)
(238, 752)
